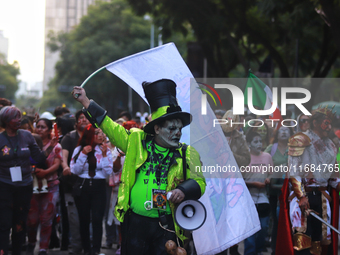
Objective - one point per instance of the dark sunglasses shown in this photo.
(303, 120)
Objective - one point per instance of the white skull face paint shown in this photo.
(283, 133)
(256, 145)
(169, 135)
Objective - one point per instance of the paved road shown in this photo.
(113, 251)
(58, 252)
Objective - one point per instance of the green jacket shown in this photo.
(133, 142)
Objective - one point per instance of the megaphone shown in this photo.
(190, 215)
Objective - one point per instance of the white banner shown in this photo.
(232, 215)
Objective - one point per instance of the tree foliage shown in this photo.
(301, 37)
(9, 82)
(239, 32)
(108, 32)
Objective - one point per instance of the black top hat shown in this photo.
(161, 96)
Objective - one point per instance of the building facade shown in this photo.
(3, 46)
(61, 16)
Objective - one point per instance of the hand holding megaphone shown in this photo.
(175, 196)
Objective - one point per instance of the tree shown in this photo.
(109, 32)
(27, 104)
(9, 82)
(243, 33)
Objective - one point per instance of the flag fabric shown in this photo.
(262, 96)
(284, 243)
(163, 62)
(231, 213)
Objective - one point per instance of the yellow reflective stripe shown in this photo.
(159, 112)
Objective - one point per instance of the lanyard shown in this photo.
(160, 163)
(148, 203)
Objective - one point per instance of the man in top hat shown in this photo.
(313, 174)
(156, 164)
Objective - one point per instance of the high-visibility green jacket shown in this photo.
(133, 142)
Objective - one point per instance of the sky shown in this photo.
(23, 23)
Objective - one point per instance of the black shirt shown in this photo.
(69, 143)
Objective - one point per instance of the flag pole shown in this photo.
(93, 74)
(88, 78)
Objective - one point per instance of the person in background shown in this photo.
(302, 123)
(239, 148)
(219, 113)
(41, 185)
(335, 133)
(237, 143)
(69, 143)
(278, 149)
(112, 183)
(16, 148)
(120, 121)
(47, 115)
(118, 162)
(336, 127)
(256, 180)
(60, 111)
(263, 130)
(138, 120)
(43, 205)
(92, 162)
(125, 115)
(65, 124)
(26, 124)
(145, 117)
(240, 127)
(315, 154)
(5, 102)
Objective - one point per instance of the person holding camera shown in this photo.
(92, 162)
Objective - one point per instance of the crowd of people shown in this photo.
(73, 172)
(313, 142)
(92, 170)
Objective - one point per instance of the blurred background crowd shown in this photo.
(67, 229)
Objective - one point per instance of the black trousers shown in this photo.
(91, 207)
(143, 235)
(314, 226)
(14, 206)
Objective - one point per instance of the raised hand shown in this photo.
(79, 94)
(103, 148)
(304, 204)
(87, 149)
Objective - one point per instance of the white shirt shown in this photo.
(81, 167)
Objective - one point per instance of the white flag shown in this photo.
(231, 213)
